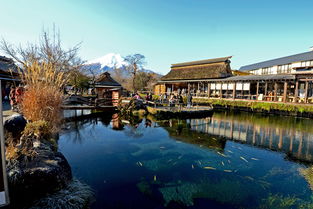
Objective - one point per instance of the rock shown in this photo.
(78, 194)
(14, 125)
(31, 178)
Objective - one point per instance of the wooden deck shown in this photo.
(87, 107)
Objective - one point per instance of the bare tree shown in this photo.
(48, 50)
(135, 63)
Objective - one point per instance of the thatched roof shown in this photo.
(105, 80)
(7, 64)
(203, 69)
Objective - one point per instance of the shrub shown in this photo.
(43, 95)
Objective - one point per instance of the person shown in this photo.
(164, 98)
(12, 98)
(171, 100)
(180, 100)
(189, 100)
(149, 97)
(19, 92)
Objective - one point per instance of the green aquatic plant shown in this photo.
(181, 193)
(279, 202)
(145, 188)
(308, 175)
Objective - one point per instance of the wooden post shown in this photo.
(265, 90)
(296, 92)
(172, 88)
(221, 91)
(306, 92)
(275, 92)
(209, 90)
(188, 88)
(257, 90)
(285, 92)
(234, 90)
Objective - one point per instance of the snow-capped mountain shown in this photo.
(109, 63)
(110, 60)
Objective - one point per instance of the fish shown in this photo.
(228, 161)
(169, 160)
(139, 163)
(221, 154)
(162, 147)
(244, 159)
(249, 177)
(223, 163)
(228, 171)
(254, 158)
(179, 157)
(200, 145)
(199, 162)
(209, 168)
(154, 178)
(192, 166)
(229, 151)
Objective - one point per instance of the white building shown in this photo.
(294, 64)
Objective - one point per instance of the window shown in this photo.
(307, 63)
(284, 68)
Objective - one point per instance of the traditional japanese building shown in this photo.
(286, 79)
(9, 74)
(193, 76)
(107, 88)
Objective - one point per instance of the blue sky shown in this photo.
(167, 31)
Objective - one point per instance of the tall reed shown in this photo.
(43, 94)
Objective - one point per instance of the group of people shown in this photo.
(171, 99)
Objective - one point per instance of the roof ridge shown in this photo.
(204, 61)
(277, 59)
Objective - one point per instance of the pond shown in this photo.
(225, 161)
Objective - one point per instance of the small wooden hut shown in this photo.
(107, 88)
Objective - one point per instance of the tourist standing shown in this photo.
(189, 100)
(12, 98)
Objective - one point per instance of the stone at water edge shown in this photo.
(14, 124)
(47, 172)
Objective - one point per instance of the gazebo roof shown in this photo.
(105, 79)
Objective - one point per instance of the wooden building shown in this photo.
(213, 78)
(107, 88)
(191, 76)
(9, 74)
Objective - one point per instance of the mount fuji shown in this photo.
(109, 63)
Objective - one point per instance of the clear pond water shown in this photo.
(224, 161)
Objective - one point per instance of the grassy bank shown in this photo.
(293, 109)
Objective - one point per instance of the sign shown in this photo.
(4, 195)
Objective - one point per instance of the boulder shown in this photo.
(14, 125)
(33, 177)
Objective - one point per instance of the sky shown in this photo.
(166, 31)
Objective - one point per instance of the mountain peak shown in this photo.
(111, 60)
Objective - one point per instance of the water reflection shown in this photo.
(295, 141)
(194, 163)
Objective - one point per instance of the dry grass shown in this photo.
(43, 96)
